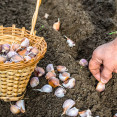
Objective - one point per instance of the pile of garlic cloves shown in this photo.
(17, 52)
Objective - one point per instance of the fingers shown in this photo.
(106, 75)
(94, 66)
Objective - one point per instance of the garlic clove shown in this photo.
(72, 112)
(83, 62)
(31, 55)
(5, 48)
(61, 68)
(50, 75)
(60, 92)
(46, 88)
(100, 87)
(23, 52)
(34, 82)
(39, 71)
(56, 25)
(11, 53)
(64, 76)
(29, 48)
(50, 68)
(15, 47)
(16, 58)
(54, 82)
(115, 115)
(3, 59)
(14, 109)
(46, 16)
(86, 113)
(27, 58)
(34, 51)
(70, 83)
(24, 42)
(21, 105)
(67, 105)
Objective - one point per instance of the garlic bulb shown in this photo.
(56, 25)
(100, 87)
(3, 58)
(11, 53)
(64, 76)
(46, 88)
(34, 82)
(61, 68)
(72, 112)
(50, 68)
(54, 82)
(67, 105)
(60, 92)
(39, 71)
(21, 105)
(25, 42)
(50, 75)
(70, 83)
(16, 58)
(14, 109)
(83, 62)
(27, 58)
(86, 113)
(5, 48)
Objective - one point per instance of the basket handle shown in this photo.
(34, 19)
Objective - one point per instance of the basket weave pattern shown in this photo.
(14, 77)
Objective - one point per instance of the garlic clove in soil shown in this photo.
(61, 68)
(14, 109)
(21, 105)
(54, 82)
(70, 83)
(60, 92)
(24, 42)
(5, 48)
(50, 75)
(46, 16)
(64, 76)
(72, 112)
(83, 62)
(67, 105)
(16, 58)
(11, 53)
(39, 71)
(100, 87)
(3, 58)
(86, 113)
(70, 42)
(56, 25)
(34, 82)
(50, 68)
(27, 58)
(46, 88)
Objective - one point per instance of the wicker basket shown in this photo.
(14, 77)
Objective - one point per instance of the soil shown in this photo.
(87, 23)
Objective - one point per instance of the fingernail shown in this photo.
(103, 81)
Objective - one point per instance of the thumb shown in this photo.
(106, 75)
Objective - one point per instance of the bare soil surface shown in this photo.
(87, 23)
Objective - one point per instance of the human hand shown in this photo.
(104, 61)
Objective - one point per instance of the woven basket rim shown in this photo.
(23, 64)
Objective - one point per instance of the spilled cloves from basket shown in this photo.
(14, 109)
(39, 71)
(21, 105)
(34, 82)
